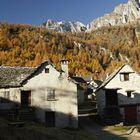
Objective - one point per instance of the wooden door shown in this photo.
(111, 97)
(25, 98)
(50, 119)
(131, 114)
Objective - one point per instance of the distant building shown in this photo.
(52, 93)
(118, 98)
(81, 89)
(92, 85)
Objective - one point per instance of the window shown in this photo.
(124, 76)
(46, 70)
(5, 97)
(51, 94)
(6, 94)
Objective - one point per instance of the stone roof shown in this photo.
(88, 78)
(78, 79)
(16, 76)
(13, 76)
(98, 82)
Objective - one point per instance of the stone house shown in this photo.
(118, 98)
(92, 85)
(81, 89)
(50, 92)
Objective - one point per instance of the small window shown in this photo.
(51, 94)
(6, 97)
(46, 70)
(129, 94)
(7, 94)
(124, 76)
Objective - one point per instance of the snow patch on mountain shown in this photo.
(63, 26)
(123, 14)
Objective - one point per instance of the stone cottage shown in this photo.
(51, 92)
(118, 98)
(81, 89)
(92, 85)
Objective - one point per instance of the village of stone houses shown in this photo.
(54, 99)
(64, 80)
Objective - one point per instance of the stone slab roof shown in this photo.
(16, 76)
(78, 79)
(13, 76)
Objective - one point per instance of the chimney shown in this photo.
(64, 66)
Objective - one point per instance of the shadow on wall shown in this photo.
(59, 93)
(132, 97)
(124, 111)
(43, 113)
(86, 124)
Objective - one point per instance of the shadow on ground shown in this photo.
(87, 123)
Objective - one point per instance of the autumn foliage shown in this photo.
(95, 54)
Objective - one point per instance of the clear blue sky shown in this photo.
(38, 11)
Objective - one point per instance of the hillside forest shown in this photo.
(95, 53)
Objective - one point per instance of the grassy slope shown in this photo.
(35, 131)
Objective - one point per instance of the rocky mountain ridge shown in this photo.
(65, 26)
(123, 14)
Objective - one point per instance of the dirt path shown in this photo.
(101, 133)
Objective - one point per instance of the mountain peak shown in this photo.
(65, 26)
(135, 1)
(126, 13)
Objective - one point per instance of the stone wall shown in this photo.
(65, 103)
(117, 82)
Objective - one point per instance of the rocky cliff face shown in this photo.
(63, 26)
(127, 13)
(122, 14)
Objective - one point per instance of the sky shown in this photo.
(36, 12)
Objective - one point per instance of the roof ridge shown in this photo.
(15, 67)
